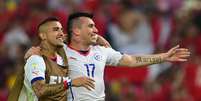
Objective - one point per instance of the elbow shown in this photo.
(39, 91)
(40, 94)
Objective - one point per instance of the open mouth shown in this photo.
(60, 39)
(94, 35)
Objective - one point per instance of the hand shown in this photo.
(103, 42)
(177, 54)
(86, 82)
(32, 51)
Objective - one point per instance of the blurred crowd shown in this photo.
(131, 26)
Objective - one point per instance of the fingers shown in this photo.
(89, 84)
(86, 82)
(178, 54)
(182, 60)
(173, 50)
(182, 52)
(32, 51)
(176, 47)
(107, 45)
(35, 50)
(87, 87)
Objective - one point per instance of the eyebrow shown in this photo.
(57, 28)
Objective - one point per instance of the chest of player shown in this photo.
(55, 73)
(90, 65)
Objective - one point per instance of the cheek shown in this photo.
(51, 37)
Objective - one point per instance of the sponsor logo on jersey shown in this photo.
(57, 79)
(34, 65)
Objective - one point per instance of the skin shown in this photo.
(84, 36)
(51, 35)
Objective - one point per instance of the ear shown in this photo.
(42, 36)
(76, 31)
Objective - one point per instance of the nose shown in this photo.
(61, 33)
(95, 30)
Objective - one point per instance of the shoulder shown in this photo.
(102, 48)
(36, 62)
(98, 47)
(35, 59)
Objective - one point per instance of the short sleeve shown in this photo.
(113, 56)
(35, 68)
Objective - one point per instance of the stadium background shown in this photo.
(131, 26)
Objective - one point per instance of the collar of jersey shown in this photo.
(84, 53)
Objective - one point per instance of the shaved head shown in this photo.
(43, 25)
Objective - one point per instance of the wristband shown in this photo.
(67, 83)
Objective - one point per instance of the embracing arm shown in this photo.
(102, 41)
(174, 54)
(42, 89)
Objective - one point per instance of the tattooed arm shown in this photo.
(42, 89)
(174, 54)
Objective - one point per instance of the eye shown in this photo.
(91, 25)
(62, 29)
(55, 28)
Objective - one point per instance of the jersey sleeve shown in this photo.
(113, 56)
(35, 69)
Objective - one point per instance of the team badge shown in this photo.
(97, 57)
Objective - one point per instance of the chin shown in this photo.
(60, 45)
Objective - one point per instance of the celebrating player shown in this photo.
(89, 60)
(45, 77)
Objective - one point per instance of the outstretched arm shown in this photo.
(175, 54)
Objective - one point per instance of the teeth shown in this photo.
(60, 39)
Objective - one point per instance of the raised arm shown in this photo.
(175, 54)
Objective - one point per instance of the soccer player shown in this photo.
(46, 76)
(85, 59)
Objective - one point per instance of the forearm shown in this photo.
(41, 89)
(135, 61)
(148, 59)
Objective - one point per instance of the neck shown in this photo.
(79, 46)
(48, 50)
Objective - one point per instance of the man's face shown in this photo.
(54, 34)
(88, 31)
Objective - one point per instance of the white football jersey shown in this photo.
(91, 65)
(34, 69)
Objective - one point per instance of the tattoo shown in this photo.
(151, 60)
(139, 59)
(41, 89)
